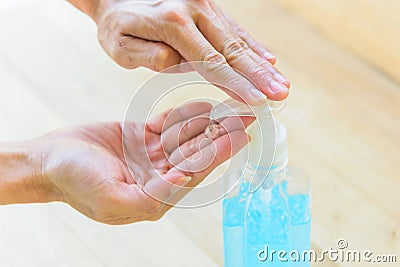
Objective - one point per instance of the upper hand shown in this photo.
(161, 33)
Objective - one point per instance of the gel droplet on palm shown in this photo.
(212, 130)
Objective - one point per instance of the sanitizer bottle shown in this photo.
(267, 214)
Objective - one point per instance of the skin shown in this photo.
(85, 166)
(157, 34)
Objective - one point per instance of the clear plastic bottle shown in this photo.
(266, 223)
(269, 210)
(299, 196)
(277, 217)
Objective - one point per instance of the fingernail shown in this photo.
(278, 88)
(180, 182)
(257, 95)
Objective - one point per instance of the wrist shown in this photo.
(21, 177)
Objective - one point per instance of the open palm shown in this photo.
(115, 182)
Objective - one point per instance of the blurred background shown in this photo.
(343, 119)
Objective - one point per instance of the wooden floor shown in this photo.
(343, 119)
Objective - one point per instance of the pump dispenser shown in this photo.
(268, 209)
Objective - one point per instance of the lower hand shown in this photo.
(86, 167)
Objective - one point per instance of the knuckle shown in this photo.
(122, 43)
(214, 57)
(234, 47)
(259, 72)
(267, 65)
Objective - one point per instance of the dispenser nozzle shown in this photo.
(268, 148)
(232, 107)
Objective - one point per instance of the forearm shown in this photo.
(21, 179)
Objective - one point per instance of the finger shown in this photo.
(132, 52)
(183, 131)
(201, 163)
(241, 57)
(165, 120)
(256, 46)
(195, 144)
(137, 153)
(226, 147)
(215, 70)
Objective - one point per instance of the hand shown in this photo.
(159, 34)
(86, 167)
